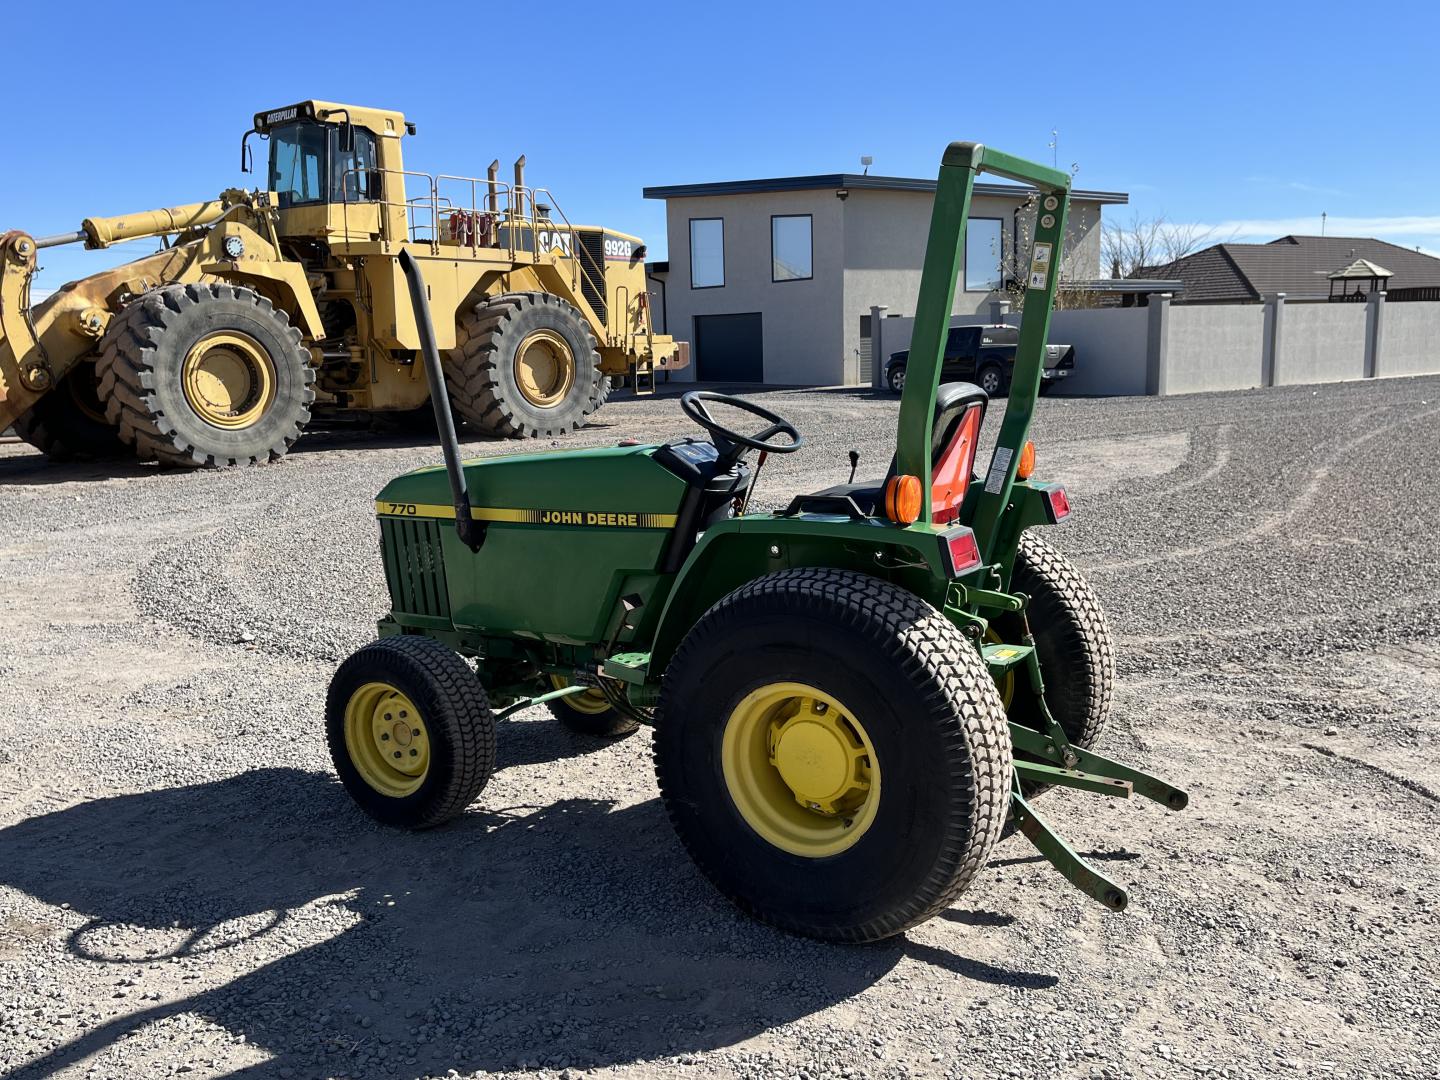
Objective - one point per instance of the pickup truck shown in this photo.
(985, 355)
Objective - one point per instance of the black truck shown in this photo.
(985, 356)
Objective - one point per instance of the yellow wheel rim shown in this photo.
(544, 368)
(228, 379)
(387, 740)
(591, 702)
(81, 386)
(800, 769)
(1005, 683)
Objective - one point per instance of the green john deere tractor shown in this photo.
(851, 697)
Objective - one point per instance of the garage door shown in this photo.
(728, 348)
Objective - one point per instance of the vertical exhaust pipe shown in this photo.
(470, 531)
(492, 174)
(520, 185)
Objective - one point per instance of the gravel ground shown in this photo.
(185, 889)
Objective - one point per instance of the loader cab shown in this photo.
(336, 170)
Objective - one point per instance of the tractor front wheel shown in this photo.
(206, 375)
(833, 754)
(410, 731)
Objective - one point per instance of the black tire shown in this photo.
(587, 718)
(1077, 657)
(458, 724)
(991, 379)
(482, 369)
(928, 706)
(142, 376)
(69, 422)
(896, 378)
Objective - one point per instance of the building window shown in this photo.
(707, 253)
(791, 250)
(982, 254)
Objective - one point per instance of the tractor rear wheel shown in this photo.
(833, 754)
(69, 422)
(589, 713)
(410, 731)
(1077, 658)
(525, 366)
(206, 375)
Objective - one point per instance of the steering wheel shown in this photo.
(728, 442)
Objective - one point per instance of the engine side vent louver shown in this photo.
(414, 568)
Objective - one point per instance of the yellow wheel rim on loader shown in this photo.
(386, 739)
(228, 379)
(591, 702)
(800, 769)
(544, 368)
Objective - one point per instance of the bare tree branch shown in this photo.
(1142, 243)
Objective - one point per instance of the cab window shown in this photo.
(307, 166)
(355, 177)
(297, 164)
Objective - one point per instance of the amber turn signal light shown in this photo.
(1027, 461)
(903, 496)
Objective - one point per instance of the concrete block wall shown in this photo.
(1184, 349)
(1214, 348)
(1410, 344)
(1321, 343)
(1111, 348)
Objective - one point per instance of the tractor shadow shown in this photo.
(572, 934)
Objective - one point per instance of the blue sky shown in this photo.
(1253, 118)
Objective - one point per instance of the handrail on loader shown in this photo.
(944, 255)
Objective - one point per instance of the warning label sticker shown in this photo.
(1040, 266)
(999, 466)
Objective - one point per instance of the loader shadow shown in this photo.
(572, 934)
(34, 468)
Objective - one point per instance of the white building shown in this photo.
(773, 280)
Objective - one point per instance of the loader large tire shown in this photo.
(70, 423)
(833, 754)
(206, 375)
(525, 366)
(1077, 658)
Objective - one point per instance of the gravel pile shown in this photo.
(185, 889)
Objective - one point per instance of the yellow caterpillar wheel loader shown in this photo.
(265, 310)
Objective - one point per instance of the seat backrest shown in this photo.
(951, 401)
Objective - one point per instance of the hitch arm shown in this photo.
(1063, 857)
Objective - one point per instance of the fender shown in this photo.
(732, 553)
(283, 282)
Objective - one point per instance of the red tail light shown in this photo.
(962, 554)
(1057, 504)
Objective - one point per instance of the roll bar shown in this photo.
(944, 258)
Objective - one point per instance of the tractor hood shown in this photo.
(619, 486)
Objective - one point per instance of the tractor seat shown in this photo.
(951, 401)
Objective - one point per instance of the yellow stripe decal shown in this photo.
(592, 518)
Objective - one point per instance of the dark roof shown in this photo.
(1126, 285)
(853, 181)
(1298, 266)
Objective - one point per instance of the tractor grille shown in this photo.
(592, 272)
(414, 567)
